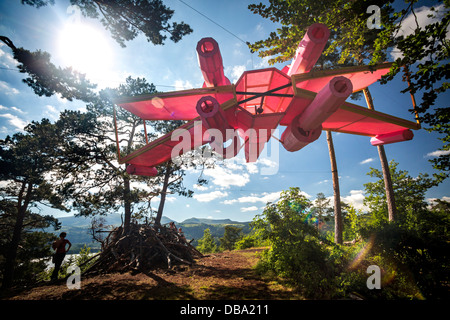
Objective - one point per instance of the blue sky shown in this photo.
(236, 190)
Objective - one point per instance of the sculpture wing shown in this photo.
(360, 76)
(176, 105)
(354, 119)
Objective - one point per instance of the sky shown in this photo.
(235, 190)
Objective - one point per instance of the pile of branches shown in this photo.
(145, 247)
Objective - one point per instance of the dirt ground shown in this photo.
(229, 275)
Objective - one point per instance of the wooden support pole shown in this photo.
(390, 199)
(337, 193)
(413, 99)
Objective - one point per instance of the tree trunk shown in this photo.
(127, 204)
(390, 199)
(163, 195)
(11, 254)
(337, 194)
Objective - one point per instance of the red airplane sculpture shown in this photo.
(304, 101)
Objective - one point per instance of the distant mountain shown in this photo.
(165, 220)
(78, 232)
(114, 219)
(210, 221)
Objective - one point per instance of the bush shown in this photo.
(412, 253)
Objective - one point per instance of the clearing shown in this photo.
(228, 275)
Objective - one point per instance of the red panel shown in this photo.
(360, 80)
(177, 105)
(160, 150)
(358, 120)
(260, 81)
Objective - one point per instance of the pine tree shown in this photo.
(27, 161)
(207, 244)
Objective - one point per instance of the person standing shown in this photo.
(60, 248)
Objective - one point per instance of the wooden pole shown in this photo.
(337, 193)
(390, 199)
(413, 99)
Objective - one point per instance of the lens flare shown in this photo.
(362, 253)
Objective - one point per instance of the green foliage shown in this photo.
(26, 163)
(418, 241)
(409, 193)
(207, 244)
(296, 253)
(412, 252)
(249, 241)
(231, 236)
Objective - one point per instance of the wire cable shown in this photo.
(225, 29)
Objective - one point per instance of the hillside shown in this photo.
(222, 276)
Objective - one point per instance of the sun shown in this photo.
(85, 49)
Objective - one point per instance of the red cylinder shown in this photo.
(212, 115)
(295, 138)
(326, 102)
(210, 61)
(310, 49)
(392, 137)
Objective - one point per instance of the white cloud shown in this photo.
(51, 112)
(246, 209)
(6, 59)
(235, 72)
(14, 121)
(183, 85)
(171, 199)
(225, 178)
(438, 153)
(259, 28)
(200, 187)
(356, 199)
(263, 63)
(254, 198)
(367, 161)
(422, 15)
(444, 198)
(207, 197)
(18, 110)
(7, 89)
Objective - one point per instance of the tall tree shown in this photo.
(409, 194)
(390, 199)
(230, 237)
(98, 183)
(207, 244)
(126, 19)
(338, 221)
(26, 163)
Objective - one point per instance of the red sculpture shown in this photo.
(304, 101)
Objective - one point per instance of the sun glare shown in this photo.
(85, 49)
